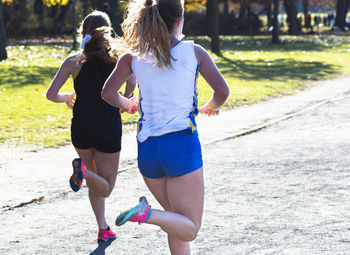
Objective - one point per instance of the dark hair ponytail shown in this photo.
(101, 47)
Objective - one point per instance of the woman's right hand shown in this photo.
(70, 100)
(132, 106)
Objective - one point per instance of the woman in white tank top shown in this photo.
(169, 153)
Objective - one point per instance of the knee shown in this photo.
(191, 234)
(106, 193)
(103, 194)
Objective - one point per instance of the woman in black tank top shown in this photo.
(96, 128)
(95, 123)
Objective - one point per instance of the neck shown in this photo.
(173, 40)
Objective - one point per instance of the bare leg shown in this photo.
(159, 191)
(102, 169)
(100, 178)
(186, 197)
(98, 206)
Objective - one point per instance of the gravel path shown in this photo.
(284, 190)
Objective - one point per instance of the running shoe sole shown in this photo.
(125, 216)
(76, 180)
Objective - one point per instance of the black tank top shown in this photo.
(95, 123)
(88, 85)
(89, 106)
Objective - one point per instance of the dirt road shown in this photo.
(283, 190)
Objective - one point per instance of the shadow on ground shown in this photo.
(18, 77)
(101, 248)
(276, 70)
(305, 43)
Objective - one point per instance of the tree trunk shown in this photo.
(39, 11)
(342, 10)
(3, 53)
(225, 11)
(74, 24)
(213, 24)
(85, 8)
(60, 18)
(286, 4)
(243, 11)
(291, 10)
(113, 15)
(306, 7)
(275, 32)
(268, 8)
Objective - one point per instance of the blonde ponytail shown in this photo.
(147, 31)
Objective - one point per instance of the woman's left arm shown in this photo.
(118, 77)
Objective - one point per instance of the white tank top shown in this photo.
(168, 99)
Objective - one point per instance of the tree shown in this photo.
(111, 7)
(74, 22)
(3, 53)
(59, 19)
(113, 15)
(213, 24)
(225, 10)
(291, 9)
(268, 10)
(243, 10)
(306, 6)
(275, 32)
(342, 11)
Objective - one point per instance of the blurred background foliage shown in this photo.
(41, 18)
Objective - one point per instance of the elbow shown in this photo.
(49, 96)
(105, 95)
(225, 93)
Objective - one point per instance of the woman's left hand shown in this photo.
(207, 109)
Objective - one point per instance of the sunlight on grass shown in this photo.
(254, 69)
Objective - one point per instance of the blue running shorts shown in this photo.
(174, 154)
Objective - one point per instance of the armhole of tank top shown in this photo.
(132, 63)
(194, 54)
(75, 76)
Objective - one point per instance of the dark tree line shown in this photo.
(42, 19)
(57, 20)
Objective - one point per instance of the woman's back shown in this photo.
(88, 85)
(168, 98)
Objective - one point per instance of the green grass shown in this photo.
(254, 69)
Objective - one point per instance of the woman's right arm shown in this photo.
(118, 77)
(214, 78)
(130, 86)
(61, 77)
